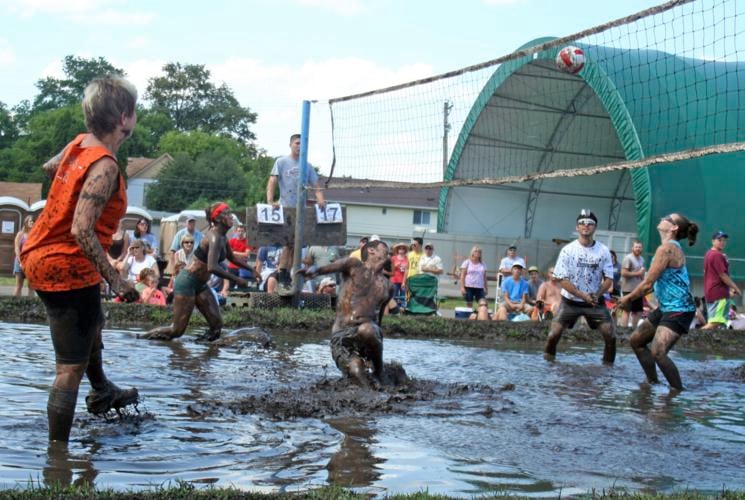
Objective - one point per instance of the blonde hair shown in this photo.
(27, 221)
(105, 100)
(475, 248)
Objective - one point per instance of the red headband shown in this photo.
(218, 210)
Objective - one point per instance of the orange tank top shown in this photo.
(51, 258)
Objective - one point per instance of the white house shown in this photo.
(393, 214)
(141, 172)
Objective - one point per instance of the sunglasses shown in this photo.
(669, 218)
(586, 222)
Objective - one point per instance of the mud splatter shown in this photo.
(340, 397)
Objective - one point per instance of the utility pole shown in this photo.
(446, 108)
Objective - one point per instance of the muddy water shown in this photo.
(473, 420)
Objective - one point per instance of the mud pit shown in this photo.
(472, 419)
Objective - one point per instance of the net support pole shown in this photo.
(301, 194)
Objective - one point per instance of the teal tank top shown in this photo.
(673, 289)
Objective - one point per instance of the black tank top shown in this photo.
(201, 254)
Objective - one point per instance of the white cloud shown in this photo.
(276, 92)
(139, 71)
(7, 54)
(138, 42)
(341, 7)
(106, 12)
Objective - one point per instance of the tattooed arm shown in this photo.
(101, 182)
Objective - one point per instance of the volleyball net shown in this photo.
(659, 86)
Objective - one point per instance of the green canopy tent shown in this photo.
(623, 105)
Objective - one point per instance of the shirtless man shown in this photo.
(356, 336)
(549, 295)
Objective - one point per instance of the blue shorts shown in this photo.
(474, 294)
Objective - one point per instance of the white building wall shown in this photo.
(136, 191)
(391, 224)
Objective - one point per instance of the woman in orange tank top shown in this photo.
(64, 257)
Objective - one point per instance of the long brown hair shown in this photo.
(686, 228)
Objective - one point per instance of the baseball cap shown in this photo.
(326, 282)
(517, 264)
(374, 237)
(719, 234)
(429, 245)
(533, 268)
(512, 247)
(190, 218)
(585, 214)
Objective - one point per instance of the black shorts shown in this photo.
(75, 318)
(636, 305)
(570, 311)
(677, 321)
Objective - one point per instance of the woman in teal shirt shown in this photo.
(668, 274)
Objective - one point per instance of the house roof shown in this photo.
(426, 198)
(147, 168)
(28, 192)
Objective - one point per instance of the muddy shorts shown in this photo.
(677, 321)
(75, 317)
(636, 305)
(188, 285)
(570, 311)
(346, 345)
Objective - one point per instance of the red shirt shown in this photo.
(239, 245)
(715, 263)
(52, 259)
(398, 262)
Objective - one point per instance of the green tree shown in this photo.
(196, 142)
(257, 175)
(210, 176)
(47, 133)
(8, 129)
(59, 92)
(186, 94)
(151, 126)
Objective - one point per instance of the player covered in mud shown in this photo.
(356, 337)
(584, 271)
(190, 286)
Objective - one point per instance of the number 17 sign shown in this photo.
(330, 215)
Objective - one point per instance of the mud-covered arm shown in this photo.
(342, 265)
(100, 183)
(660, 262)
(51, 165)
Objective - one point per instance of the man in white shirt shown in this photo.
(430, 263)
(584, 270)
(505, 266)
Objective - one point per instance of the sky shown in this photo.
(274, 54)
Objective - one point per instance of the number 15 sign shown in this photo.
(269, 214)
(330, 215)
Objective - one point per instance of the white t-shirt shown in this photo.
(430, 262)
(507, 263)
(133, 272)
(585, 267)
